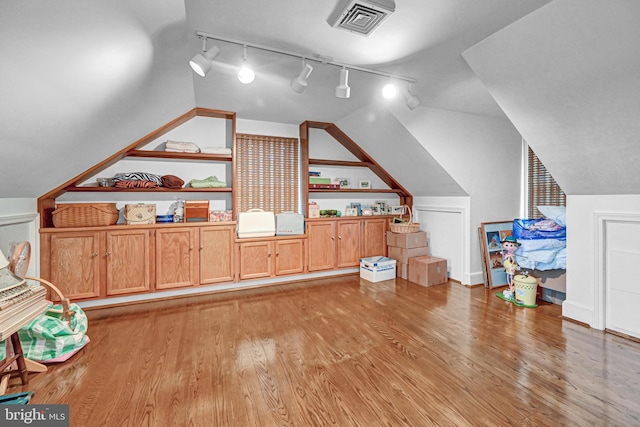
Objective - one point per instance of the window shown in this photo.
(267, 173)
(542, 189)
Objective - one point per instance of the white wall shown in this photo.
(585, 300)
(483, 154)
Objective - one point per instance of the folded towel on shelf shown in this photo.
(136, 183)
(210, 182)
(172, 181)
(181, 147)
(137, 176)
(216, 150)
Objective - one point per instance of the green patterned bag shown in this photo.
(49, 338)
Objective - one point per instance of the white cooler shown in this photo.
(256, 223)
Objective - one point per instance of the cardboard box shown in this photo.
(428, 270)
(196, 210)
(402, 270)
(402, 255)
(407, 240)
(377, 269)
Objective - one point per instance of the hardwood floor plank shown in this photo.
(342, 351)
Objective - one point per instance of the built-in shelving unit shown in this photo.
(364, 161)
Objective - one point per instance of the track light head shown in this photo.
(412, 102)
(201, 63)
(299, 83)
(246, 74)
(343, 90)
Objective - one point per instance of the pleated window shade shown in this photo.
(543, 189)
(267, 174)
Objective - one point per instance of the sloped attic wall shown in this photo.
(82, 80)
(385, 139)
(568, 77)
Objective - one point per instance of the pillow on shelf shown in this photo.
(556, 213)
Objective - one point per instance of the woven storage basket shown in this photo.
(405, 227)
(85, 215)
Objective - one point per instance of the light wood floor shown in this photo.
(345, 352)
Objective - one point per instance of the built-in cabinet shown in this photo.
(340, 243)
(269, 258)
(99, 262)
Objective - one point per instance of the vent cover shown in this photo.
(361, 16)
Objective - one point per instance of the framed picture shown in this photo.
(351, 212)
(375, 209)
(491, 236)
(367, 211)
(364, 184)
(396, 210)
(344, 182)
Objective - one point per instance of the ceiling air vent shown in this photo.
(361, 16)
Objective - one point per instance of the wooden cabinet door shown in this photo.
(216, 254)
(255, 260)
(128, 261)
(75, 264)
(348, 238)
(374, 237)
(322, 245)
(289, 256)
(176, 264)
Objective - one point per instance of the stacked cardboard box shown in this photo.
(428, 270)
(404, 246)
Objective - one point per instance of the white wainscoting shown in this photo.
(617, 287)
(18, 228)
(447, 236)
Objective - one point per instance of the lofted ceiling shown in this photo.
(82, 80)
(422, 39)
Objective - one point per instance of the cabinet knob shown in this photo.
(340, 237)
(277, 253)
(333, 238)
(108, 253)
(95, 254)
(269, 256)
(190, 248)
(201, 247)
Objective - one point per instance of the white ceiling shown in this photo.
(422, 39)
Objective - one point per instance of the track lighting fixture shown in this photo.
(343, 90)
(299, 83)
(246, 74)
(201, 63)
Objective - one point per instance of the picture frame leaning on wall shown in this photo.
(492, 234)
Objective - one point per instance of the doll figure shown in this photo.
(509, 247)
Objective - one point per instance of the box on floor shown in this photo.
(377, 269)
(428, 270)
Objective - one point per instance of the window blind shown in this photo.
(267, 173)
(543, 189)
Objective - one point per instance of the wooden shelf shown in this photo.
(355, 190)
(346, 163)
(98, 189)
(178, 156)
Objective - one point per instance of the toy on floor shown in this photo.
(509, 247)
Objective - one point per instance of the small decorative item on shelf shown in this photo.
(365, 184)
(178, 211)
(367, 211)
(140, 213)
(396, 210)
(328, 213)
(351, 212)
(314, 210)
(357, 206)
(344, 182)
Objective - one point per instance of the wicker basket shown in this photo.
(85, 215)
(405, 227)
